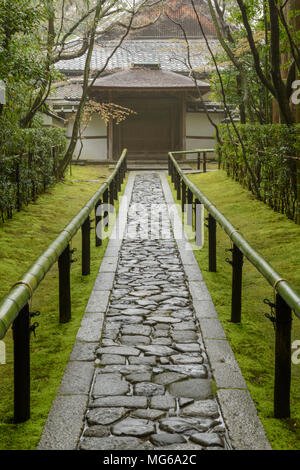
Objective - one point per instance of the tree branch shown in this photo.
(228, 112)
(295, 51)
(254, 50)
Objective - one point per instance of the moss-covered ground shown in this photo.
(277, 239)
(22, 240)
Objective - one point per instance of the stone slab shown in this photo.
(162, 402)
(225, 368)
(201, 408)
(104, 281)
(212, 328)
(199, 389)
(121, 401)
(205, 309)
(114, 443)
(105, 416)
(133, 427)
(91, 328)
(58, 433)
(109, 385)
(193, 272)
(77, 378)
(112, 359)
(119, 350)
(199, 291)
(83, 351)
(240, 415)
(98, 301)
(108, 265)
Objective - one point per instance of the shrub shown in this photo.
(270, 152)
(28, 160)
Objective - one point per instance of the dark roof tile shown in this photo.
(171, 54)
(147, 78)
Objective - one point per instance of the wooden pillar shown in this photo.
(282, 382)
(183, 122)
(64, 267)
(237, 271)
(21, 336)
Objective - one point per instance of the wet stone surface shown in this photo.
(152, 385)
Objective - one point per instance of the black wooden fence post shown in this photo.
(21, 336)
(98, 225)
(86, 246)
(204, 162)
(64, 266)
(183, 196)
(172, 172)
(212, 244)
(198, 161)
(178, 187)
(282, 385)
(237, 269)
(175, 179)
(118, 180)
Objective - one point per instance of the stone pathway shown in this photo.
(152, 387)
(151, 367)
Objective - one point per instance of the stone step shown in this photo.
(150, 166)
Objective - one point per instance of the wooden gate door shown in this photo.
(152, 132)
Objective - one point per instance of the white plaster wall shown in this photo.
(197, 124)
(93, 149)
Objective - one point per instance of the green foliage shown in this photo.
(254, 31)
(267, 150)
(28, 159)
(19, 39)
(24, 62)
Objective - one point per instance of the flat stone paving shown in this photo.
(152, 388)
(139, 376)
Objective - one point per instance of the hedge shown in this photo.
(28, 160)
(264, 162)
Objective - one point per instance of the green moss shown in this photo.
(22, 240)
(277, 239)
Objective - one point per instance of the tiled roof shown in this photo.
(66, 91)
(171, 54)
(147, 78)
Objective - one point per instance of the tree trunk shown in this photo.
(69, 153)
